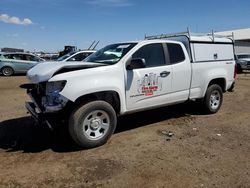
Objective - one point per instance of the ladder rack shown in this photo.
(188, 34)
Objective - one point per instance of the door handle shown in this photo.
(164, 74)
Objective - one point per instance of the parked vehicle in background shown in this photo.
(67, 49)
(49, 56)
(243, 62)
(76, 56)
(13, 63)
(129, 77)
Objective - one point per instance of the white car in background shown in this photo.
(76, 56)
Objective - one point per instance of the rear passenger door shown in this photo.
(149, 86)
(181, 72)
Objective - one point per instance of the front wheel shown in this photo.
(92, 124)
(213, 99)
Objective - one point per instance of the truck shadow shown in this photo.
(22, 134)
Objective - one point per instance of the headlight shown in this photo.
(53, 97)
(55, 86)
(243, 62)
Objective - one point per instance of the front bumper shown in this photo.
(39, 117)
(31, 107)
(245, 66)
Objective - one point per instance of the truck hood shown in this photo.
(44, 71)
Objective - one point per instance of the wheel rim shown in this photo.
(96, 125)
(215, 99)
(7, 71)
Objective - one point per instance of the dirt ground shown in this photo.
(205, 150)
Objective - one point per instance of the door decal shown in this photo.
(149, 84)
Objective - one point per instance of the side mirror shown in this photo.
(136, 63)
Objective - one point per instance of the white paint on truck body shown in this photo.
(148, 87)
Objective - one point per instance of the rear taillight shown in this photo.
(235, 70)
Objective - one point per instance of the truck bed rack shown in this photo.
(189, 35)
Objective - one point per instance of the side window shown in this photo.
(78, 57)
(29, 58)
(152, 53)
(18, 57)
(176, 53)
(37, 59)
(8, 56)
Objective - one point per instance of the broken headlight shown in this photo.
(54, 101)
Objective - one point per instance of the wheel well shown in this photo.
(219, 81)
(110, 97)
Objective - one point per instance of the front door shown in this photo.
(149, 86)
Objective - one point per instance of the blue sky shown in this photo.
(50, 24)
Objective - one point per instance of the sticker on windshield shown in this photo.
(123, 46)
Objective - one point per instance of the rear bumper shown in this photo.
(231, 89)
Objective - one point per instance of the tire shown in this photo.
(92, 124)
(7, 71)
(213, 99)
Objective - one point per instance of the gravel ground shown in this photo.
(204, 150)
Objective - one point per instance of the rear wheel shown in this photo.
(213, 99)
(92, 124)
(7, 71)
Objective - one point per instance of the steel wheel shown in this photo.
(96, 124)
(91, 124)
(215, 99)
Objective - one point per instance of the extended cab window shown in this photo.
(152, 53)
(176, 53)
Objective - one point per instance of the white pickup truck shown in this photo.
(129, 77)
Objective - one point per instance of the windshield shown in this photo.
(65, 56)
(110, 54)
(245, 56)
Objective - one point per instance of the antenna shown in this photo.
(91, 45)
(95, 45)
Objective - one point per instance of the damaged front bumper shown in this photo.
(39, 117)
(30, 106)
(41, 111)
